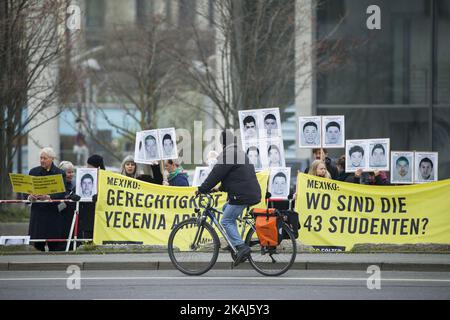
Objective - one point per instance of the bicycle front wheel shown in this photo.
(272, 261)
(193, 249)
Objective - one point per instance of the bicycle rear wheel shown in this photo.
(193, 249)
(272, 261)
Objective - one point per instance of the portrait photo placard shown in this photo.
(274, 153)
(279, 181)
(309, 131)
(402, 167)
(270, 126)
(168, 143)
(425, 167)
(333, 131)
(356, 155)
(379, 154)
(86, 183)
(249, 125)
(147, 148)
(200, 175)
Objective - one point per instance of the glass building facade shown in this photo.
(395, 81)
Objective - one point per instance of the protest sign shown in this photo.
(336, 214)
(23, 183)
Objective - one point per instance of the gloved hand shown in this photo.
(74, 197)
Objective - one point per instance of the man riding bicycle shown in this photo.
(237, 177)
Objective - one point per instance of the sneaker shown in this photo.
(242, 254)
(228, 248)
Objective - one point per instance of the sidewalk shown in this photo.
(161, 261)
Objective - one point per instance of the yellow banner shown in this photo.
(41, 185)
(137, 212)
(334, 215)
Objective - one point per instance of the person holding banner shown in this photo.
(45, 220)
(237, 177)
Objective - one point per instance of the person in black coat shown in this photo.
(46, 221)
(237, 177)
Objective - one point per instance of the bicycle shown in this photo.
(201, 248)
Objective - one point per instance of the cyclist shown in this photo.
(237, 177)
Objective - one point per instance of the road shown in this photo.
(222, 284)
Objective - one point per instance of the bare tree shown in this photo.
(31, 44)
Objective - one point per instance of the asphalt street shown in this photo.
(222, 284)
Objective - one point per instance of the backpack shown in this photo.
(291, 219)
(268, 226)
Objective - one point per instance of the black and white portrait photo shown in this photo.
(147, 147)
(379, 154)
(425, 167)
(333, 131)
(356, 153)
(249, 121)
(86, 183)
(279, 182)
(271, 123)
(402, 167)
(309, 130)
(200, 175)
(168, 143)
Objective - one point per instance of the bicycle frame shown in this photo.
(210, 213)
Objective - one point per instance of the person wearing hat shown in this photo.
(96, 161)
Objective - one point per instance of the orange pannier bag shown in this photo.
(267, 222)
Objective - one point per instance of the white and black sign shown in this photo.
(168, 141)
(200, 175)
(147, 147)
(356, 154)
(379, 154)
(333, 131)
(86, 183)
(309, 130)
(155, 145)
(279, 180)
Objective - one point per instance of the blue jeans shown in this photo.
(230, 213)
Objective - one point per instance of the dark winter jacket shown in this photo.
(46, 222)
(237, 176)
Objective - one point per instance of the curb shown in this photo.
(167, 265)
